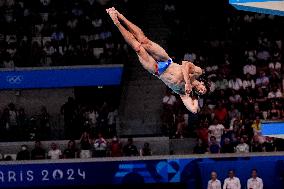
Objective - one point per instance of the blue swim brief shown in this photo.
(162, 66)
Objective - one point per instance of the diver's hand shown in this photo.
(188, 88)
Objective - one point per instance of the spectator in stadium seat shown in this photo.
(86, 145)
(232, 182)
(100, 146)
(256, 146)
(235, 83)
(234, 113)
(275, 66)
(262, 81)
(254, 182)
(249, 69)
(202, 132)
(130, 149)
(220, 113)
(227, 146)
(242, 147)
(222, 83)
(54, 152)
(24, 154)
(214, 146)
(205, 113)
(146, 150)
(275, 93)
(274, 113)
(248, 82)
(115, 147)
(38, 152)
(214, 183)
(256, 125)
(260, 95)
(199, 148)
(92, 116)
(71, 151)
(263, 54)
(216, 130)
(235, 97)
(275, 79)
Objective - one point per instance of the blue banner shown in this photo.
(194, 171)
(25, 78)
(274, 129)
(83, 173)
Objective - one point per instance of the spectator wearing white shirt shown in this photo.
(242, 147)
(214, 183)
(92, 116)
(254, 182)
(216, 130)
(235, 97)
(275, 93)
(232, 182)
(235, 83)
(275, 66)
(222, 83)
(249, 69)
(54, 153)
(251, 55)
(248, 82)
(211, 71)
(189, 57)
(100, 146)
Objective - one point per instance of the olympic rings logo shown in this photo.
(15, 79)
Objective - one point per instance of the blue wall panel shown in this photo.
(58, 78)
(195, 172)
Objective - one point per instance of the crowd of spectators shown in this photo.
(58, 33)
(242, 55)
(16, 125)
(86, 147)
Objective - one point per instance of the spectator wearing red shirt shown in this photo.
(115, 147)
(221, 113)
(202, 132)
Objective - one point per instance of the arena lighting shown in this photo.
(274, 7)
(272, 129)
